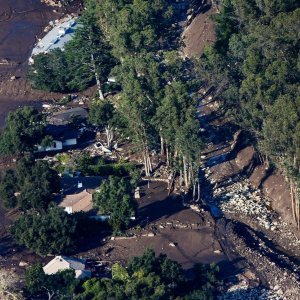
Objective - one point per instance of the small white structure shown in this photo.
(61, 263)
(63, 136)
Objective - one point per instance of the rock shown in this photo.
(151, 234)
(217, 251)
(23, 264)
(172, 244)
(112, 238)
(13, 78)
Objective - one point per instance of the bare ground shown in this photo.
(199, 33)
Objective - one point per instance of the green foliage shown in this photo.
(8, 188)
(59, 285)
(97, 166)
(24, 128)
(119, 273)
(49, 233)
(30, 186)
(84, 58)
(134, 26)
(115, 198)
(101, 113)
(50, 71)
(257, 55)
(146, 277)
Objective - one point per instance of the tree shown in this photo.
(59, 285)
(30, 186)
(146, 277)
(135, 26)
(101, 113)
(24, 129)
(115, 198)
(50, 71)
(88, 55)
(256, 53)
(49, 233)
(8, 188)
(86, 60)
(141, 91)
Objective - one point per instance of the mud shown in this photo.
(21, 24)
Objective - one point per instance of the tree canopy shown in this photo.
(147, 277)
(30, 186)
(24, 129)
(85, 61)
(254, 68)
(116, 199)
(47, 233)
(55, 286)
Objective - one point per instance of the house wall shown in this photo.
(58, 145)
(69, 142)
(69, 209)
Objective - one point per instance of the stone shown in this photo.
(172, 244)
(23, 264)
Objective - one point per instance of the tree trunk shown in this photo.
(198, 199)
(185, 171)
(293, 201)
(147, 173)
(162, 150)
(167, 154)
(101, 96)
(109, 135)
(194, 191)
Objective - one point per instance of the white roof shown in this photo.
(60, 263)
(56, 38)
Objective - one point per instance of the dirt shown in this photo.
(165, 220)
(199, 33)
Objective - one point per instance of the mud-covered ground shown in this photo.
(21, 24)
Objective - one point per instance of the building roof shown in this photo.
(65, 117)
(62, 132)
(82, 201)
(60, 263)
(57, 37)
(89, 183)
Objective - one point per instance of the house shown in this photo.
(57, 37)
(63, 136)
(65, 117)
(82, 201)
(60, 263)
(78, 193)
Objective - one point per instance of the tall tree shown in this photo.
(88, 55)
(24, 129)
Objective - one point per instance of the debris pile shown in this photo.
(281, 274)
(240, 197)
